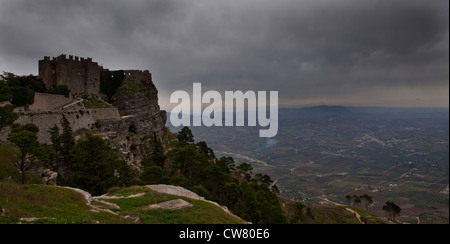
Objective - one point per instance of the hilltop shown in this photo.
(57, 205)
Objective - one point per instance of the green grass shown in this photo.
(94, 104)
(201, 213)
(55, 205)
(51, 204)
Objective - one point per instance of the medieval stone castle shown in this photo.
(80, 75)
(135, 103)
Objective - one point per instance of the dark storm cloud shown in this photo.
(352, 52)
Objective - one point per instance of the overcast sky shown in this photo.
(335, 52)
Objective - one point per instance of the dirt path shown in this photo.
(356, 214)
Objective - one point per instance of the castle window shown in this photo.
(53, 71)
(79, 73)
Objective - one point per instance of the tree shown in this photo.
(356, 201)
(158, 154)
(392, 210)
(185, 136)
(227, 164)
(154, 175)
(25, 138)
(30, 82)
(55, 138)
(97, 166)
(7, 116)
(245, 171)
(22, 96)
(5, 92)
(205, 150)
(66, 139)
(60, 90)
(349, 199)
(367, 200)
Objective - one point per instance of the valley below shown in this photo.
(322, 154)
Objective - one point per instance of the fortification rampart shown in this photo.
(136, 76)
(81, 119)
(45, 101)
(78, 74)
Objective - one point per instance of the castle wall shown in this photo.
(137, 76)
(44, 101)
(93, 71)
(81, 119)
(78, 74)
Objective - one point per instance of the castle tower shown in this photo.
(81, 76)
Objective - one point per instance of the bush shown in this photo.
(60, 90)
(22, 96)
(154, 175)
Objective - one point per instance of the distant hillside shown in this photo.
(327, 152)
(299, 213)
(56, 205)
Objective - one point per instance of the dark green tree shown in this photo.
(30, 82)
(367, 200)
(356, 201)
(227, 164)
(185, 136)
(66, 139)
(22, 96)
(7, 116)
(158, 154)
(60, 90)
(154, 175)
(97, 166)
(55, 138)
(349, 199)
(245, 171)
(205, 150)
(392, 210)
(25, 138)
(5, 92)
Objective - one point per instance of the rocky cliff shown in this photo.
(141, 117)
(137, 101)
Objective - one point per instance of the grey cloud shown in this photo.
(303, 48)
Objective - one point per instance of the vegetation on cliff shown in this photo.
(195, 167)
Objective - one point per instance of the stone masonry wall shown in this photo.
(81, 119)
(44, 101)
(78, 74)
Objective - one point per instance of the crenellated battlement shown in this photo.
(80, 75)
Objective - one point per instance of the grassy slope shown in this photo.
(60, 205)
(57, 204)
(201, 213)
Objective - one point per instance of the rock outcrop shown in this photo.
(137, 101)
